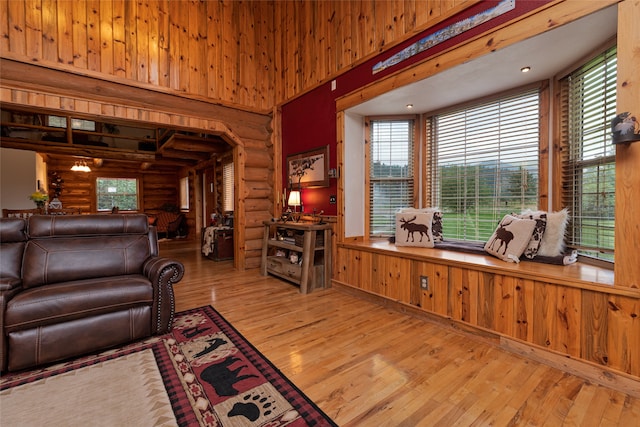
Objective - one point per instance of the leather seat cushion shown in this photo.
(66, 301)
(45, 344)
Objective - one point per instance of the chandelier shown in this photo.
(81, 166)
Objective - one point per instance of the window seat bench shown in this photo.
(577, 274)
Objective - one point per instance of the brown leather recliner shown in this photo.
(72, 285)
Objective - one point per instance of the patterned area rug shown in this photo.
(202, 373)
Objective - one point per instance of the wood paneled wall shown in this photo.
(209, 49)
(253, 54)
(567, 316)
(317, 40)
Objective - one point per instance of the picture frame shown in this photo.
(309, 168)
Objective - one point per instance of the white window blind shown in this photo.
(484, 163)
(184, 193)
(227, 184)
(390, 173)
(589, 101)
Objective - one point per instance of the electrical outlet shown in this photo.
(424, 282)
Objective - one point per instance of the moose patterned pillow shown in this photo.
(436, 223)
(511, 238)
(414, 229)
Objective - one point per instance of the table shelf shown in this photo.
(314, 269)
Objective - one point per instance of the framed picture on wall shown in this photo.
(309, 168)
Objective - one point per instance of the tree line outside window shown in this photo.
(121, 193)
(485, 163)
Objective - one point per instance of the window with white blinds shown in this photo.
(484, 163)
(588, 97)
(390, 173)
(227, 187)
(184, 193)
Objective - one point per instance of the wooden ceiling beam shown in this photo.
(191, 143)
(38, 77)
(196, 146)
(170, 153)
(77, 150)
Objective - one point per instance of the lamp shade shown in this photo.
(294, 198)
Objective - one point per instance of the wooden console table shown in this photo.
(309, 241)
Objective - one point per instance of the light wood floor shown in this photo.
(365, 365)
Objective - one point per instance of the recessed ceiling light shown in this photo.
(525, 69)
(409, 106)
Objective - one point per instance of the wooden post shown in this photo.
(627, 213)
(308, 248)
(265, 248)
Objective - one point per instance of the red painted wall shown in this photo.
(309, 121)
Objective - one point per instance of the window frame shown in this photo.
(416, 126)
(429, 161)
(228, 200)
(138, 192)
(184, 194)
(75, 123)
(563, 161)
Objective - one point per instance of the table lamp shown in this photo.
(294, 199)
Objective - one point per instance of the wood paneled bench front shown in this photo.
(575, 311)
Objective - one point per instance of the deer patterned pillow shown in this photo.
(414, 228)
(511, 238)
(538, 232)
(436, 223)
(552, 243)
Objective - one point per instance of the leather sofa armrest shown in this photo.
(6, 293)
(163, 274)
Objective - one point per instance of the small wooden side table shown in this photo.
(310, 243)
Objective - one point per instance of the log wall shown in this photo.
(157, 186)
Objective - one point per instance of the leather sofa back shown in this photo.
(60, 248)
(43, 226)
(12, 241)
